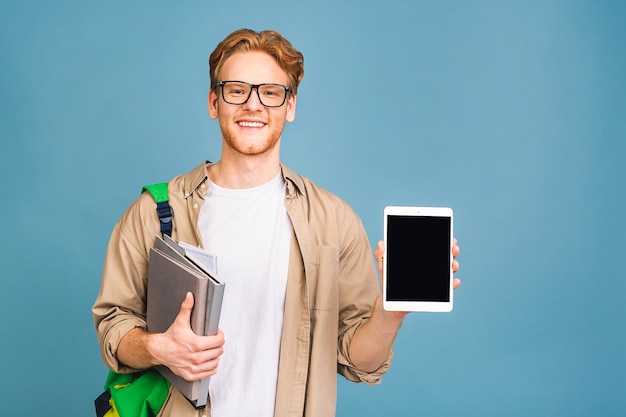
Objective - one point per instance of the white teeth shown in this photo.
(251, 124)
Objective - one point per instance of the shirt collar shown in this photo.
(198, 176)
(295, 184)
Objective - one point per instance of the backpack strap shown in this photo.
(164, 210)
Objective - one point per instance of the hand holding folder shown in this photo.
(173, 271)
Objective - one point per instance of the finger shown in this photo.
(199, 358)
(455, 266)
(215, 341)
(204, 370)
(455, 249)
(209, 346)
(380, 250)
(456, 283)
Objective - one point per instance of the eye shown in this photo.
(272, 91)
(236, 89)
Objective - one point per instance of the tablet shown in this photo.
(417, 266)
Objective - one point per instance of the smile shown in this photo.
(251, 124)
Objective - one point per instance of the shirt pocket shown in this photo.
(323, 278)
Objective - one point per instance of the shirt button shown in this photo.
(195, 206)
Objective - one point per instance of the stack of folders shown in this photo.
(173, 270)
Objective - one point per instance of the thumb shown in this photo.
(378, 254)
(380, 250)
(184, 315)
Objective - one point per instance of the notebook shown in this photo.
(172, 272)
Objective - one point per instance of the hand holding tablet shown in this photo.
(417, 266)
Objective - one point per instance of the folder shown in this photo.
(172, 272)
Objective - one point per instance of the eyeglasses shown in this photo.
(238, 92)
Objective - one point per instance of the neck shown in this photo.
(243, 173)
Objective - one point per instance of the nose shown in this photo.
(254, 101)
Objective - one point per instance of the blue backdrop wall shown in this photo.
(510, 112)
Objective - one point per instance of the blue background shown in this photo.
(512, 113)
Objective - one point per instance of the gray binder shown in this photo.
(172, 272)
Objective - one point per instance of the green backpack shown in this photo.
(140, 394)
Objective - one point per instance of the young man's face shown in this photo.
(251, 128)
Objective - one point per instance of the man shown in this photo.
(302, 300)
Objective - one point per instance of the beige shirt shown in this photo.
(331, 287)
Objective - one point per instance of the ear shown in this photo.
(212, 101)
(291, 108)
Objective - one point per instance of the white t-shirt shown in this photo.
(250, 233)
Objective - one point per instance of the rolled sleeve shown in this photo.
(354, 374)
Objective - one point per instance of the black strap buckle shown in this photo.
(164, 211)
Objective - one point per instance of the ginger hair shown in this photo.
(271, 42)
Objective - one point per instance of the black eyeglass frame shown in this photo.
(253, 87)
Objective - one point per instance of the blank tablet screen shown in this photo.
(418, 258)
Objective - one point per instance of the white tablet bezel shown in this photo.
(424, 306)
